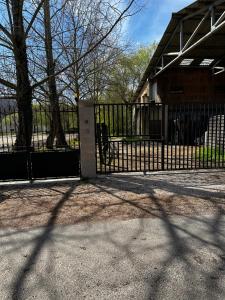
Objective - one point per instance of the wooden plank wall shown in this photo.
(188, 85)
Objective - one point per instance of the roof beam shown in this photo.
(171, 54)
(202, 10)
(221, 18)
(187, 50)
(194, 13)
(213, 18)
(181, 35)
(196, 31)
(219, 70)
(209, 9)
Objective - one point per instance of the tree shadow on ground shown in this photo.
(41, 241)
(44, 239)
(180, 250)
(2, 198)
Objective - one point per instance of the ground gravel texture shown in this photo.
(113, 197)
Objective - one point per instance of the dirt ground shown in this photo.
(112, 197)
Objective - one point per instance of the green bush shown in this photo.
(132, 139)
(74, 143)
(210, 153)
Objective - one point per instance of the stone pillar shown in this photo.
(87, 139)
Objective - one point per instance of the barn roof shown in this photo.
(204, 49)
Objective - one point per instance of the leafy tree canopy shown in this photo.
(126, 75)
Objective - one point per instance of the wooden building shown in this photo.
(188, 65)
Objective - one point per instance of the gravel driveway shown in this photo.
(113, 197)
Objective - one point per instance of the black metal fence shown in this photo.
(39, 160)
(42, 117)
(153, 137)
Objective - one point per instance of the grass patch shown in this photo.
(74, 143)
(211, 154)
(132, 139)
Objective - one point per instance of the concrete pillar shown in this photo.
(87, 139)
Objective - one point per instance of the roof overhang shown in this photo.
(195, 37)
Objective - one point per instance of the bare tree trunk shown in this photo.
(56, 129)
(23, 90)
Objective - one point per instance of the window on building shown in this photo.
(206, 62)
(186, 62)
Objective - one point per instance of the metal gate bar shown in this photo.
(154, 137)
(38, 161)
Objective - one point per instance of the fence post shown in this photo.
(166, 124)
(163, 135)
(87, 139)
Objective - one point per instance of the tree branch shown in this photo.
(5, 31)
(8, 84)
(6, 46)
(34, 17)
(9, 15)
(121, 16)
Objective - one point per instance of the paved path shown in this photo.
(160, 258)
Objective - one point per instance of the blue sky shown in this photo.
(148, 25)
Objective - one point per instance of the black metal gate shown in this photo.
(38, 161)
(156, 137)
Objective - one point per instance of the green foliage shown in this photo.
(9, 123)
(10, 120)
(74, 143)
(42, 119)
(210, 153)
(117, 118)
(126, 75)
(132, 139)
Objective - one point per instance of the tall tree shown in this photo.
(23, 88)
(126, 74)
(86, 23)
(14, 36)
(119, 16)
(21, 53)
(56, 129)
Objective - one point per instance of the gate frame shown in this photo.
(192, 150)
(31, 170)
